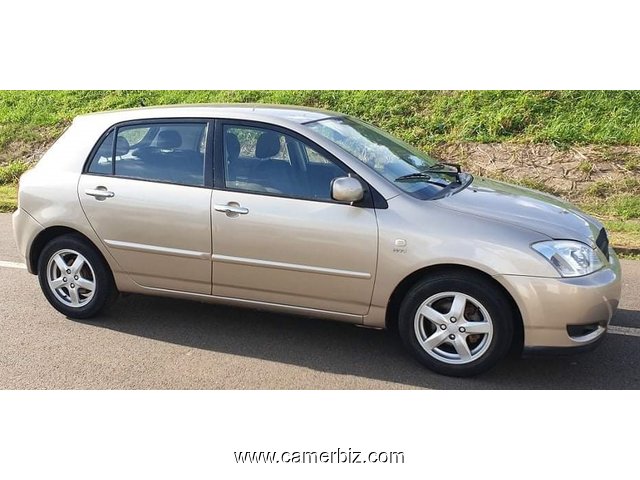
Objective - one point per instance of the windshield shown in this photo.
(395, 160)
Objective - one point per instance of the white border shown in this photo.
(483, 435)
(330, 44)
(459, 44)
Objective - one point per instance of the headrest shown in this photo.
(268, 145)
(168, 139)
(233, 146)
(122, 146)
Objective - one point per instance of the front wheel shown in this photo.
(458, 325)
(74, 277)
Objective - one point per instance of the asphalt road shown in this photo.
(156, 343)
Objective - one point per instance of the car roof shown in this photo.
(249, 111)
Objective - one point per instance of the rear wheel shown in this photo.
(456, 324)
(74, 277)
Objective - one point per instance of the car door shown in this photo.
(278, 237)
(147, 194)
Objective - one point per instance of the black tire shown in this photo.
(491, 298)
(105, 291)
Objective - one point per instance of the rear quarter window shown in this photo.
(102, 160)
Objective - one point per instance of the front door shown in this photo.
(278, 237)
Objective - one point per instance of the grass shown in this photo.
(585, 167)
(8, 197)
(621, 214)
(424, 118)
(617, 204)
(624, 235)
(604, 189)
(10, 172)
(9, 175)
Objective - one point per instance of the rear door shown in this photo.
(278, 237)
(146, 193)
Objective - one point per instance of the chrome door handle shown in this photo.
(231, 208)
(99, 192)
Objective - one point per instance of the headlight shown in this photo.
(571, 259)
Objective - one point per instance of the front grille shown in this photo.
(603, 242)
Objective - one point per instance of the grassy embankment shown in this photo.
(593, 124)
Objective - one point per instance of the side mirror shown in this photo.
(347, 189)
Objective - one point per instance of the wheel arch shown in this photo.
(401, 290)
(48, 234)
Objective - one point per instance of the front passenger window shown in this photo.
(261, 160)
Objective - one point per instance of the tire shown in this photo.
(444, 312)
(83, 285)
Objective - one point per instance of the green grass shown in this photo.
(604, 189)
(423, 118)
(585, 167)
(624, 234)
(8, 197)
(10, 172)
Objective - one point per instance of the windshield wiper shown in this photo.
(412, 176)
(439, 165)
(419, 177)
(441, 169)
(438, 168)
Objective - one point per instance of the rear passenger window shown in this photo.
(160, 152)
(170, 153)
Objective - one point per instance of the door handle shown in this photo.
(99, 193)
(231, 208)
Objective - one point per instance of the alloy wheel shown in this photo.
(453, 327)
(71, 278)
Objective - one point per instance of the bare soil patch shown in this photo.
(27, 152)
(570, 173)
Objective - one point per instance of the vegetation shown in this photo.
(621, 214)
(421, 117)
(30, 120)
(10, 172)
(8, 197)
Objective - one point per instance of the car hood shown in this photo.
(525, 208)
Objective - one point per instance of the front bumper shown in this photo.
(566, 312)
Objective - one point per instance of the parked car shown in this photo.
(314, 213)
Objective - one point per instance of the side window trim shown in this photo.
(218, 159)
(114, 143)
(371, 196)
(209, 167)
(208, 154)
